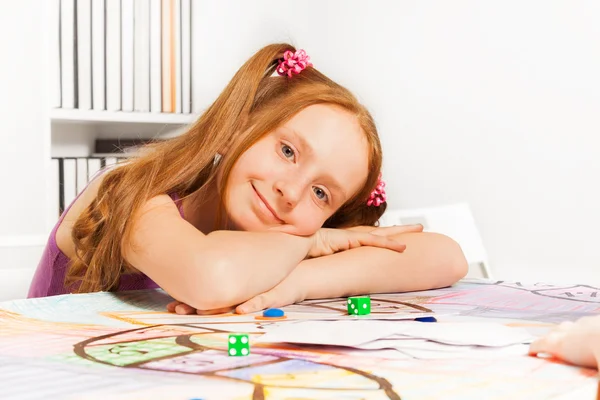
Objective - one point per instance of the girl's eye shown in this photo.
(321, 195)
(287, 151)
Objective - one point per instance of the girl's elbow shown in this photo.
(460, 267)
(208, 287)
(457, 266)
(449, 261)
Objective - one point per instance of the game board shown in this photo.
(123, 345)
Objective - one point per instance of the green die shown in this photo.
(359, 305)
(238, 345)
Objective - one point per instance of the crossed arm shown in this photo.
(430, 261)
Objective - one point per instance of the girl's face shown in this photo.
(297, 176)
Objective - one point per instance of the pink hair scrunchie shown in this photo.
(293, 63)
(378, 196)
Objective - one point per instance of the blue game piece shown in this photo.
(273, 313)
(426, 319)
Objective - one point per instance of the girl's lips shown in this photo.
(267, 205)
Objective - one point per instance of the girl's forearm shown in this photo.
(243, 264)
(429, 261)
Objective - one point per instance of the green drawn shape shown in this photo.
(136, 352)
(71, 358)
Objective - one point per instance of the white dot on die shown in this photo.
(232, 340)
(244, 340)
(349, 301)
(351, 305)
(245, 352)
(364, 306)
(355, 311)
(232, 352)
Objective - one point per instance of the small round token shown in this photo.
(426, 319)
(273, 313)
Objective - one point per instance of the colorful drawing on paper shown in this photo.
(125, 346)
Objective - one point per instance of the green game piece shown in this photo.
(238, 345)
(359, 305)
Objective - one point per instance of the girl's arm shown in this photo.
(223, 268)
(207, 271)
(430, 261)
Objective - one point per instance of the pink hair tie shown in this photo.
(293, 63)
(378, 196)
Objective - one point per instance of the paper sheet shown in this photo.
(125, 346)
(341, 333)
(466, 333)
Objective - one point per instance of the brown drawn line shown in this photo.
(415, 306)
(79, 349)
(259, 392)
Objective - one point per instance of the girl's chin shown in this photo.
(242, 224)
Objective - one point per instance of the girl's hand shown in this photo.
(388, 230)
(184, 309)
(281, 295)
(328, 241)
(288, 291)
(285, 293)
(574, 342)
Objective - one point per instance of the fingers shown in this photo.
(397, 229)
(382, 242)
(215, 311)
(171, 306)
(184, 309)
(362, 228)
(256, 303)
(549, 344)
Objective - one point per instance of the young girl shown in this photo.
(270, 198)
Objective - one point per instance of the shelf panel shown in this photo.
(91, 116)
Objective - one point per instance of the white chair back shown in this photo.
(455, 221)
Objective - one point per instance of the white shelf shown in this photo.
(91, 116)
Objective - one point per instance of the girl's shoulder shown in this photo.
(83, 200)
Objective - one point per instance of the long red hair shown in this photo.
(254, 102)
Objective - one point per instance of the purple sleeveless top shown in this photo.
(49, 277)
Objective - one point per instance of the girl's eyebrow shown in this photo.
(309, 149)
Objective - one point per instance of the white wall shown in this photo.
(490, 103)
(23, 118)
(493, 103)
(24, 153)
